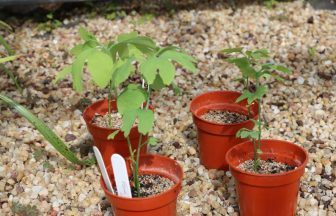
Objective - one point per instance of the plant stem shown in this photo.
(136, 177)
(258, 150)
(247, 86)
(136, 172)
(133, 163)
(109, 105)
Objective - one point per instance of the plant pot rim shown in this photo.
(218, 124)
(89, 121)
(235, 168)
(175, 187)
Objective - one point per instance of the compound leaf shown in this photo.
(131, 98)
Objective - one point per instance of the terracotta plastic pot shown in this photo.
(268, 194)
(99, 134)
(214, 140)
(163, 204)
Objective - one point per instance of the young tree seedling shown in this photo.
(112, 66)
(253, 70)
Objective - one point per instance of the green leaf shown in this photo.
(232, 50)
(144, 44)
(152, 141)
(113, 134)
(176, 89)
(77, 70)
(258, 54)
(158, 83)
(149, 69)
(261, 91)
(131, 98)
(63, 73)
(8, 58)
(128, 119)
(5, 26)
(166, 71)
(282, 69)
(8, 49)
(246, 133)
(127, 36)
(244, 66)
(270, 66)
(76, 50)
(100, 67)
(85, 35)
(246, 95)
(46, 132)
(122, 72)
(184, 60)
(278, 78)
(146, 121)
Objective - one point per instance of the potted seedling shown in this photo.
(218, 117)
(132, 68)
(109, 66)
(267, 172)
(155, 180)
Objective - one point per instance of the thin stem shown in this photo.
(247, 86)
(136, 177)
(109, 105)
(131, 155)
(258, 150)
(140, 144)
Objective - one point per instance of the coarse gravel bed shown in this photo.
(301, 110)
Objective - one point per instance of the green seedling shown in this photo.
(253, 70)
(112, 66)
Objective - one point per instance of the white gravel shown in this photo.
(301, 110)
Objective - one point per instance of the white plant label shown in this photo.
(121, 176)
(103, 170)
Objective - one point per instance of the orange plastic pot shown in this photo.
(99, 134)
(214, 140)
(268, 194)
(163, 204)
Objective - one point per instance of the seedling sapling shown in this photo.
(111, 65)
(253, 70)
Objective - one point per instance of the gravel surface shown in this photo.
(301, 110)
(223, 117)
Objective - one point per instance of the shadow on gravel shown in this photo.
(155, 7)
(323, 4)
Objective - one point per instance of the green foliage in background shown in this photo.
(10, 56)
(49, 24)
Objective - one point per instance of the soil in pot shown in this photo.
(103, 120)
(224, 117)
(162, 204)
(151, 184)
(268, 166)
